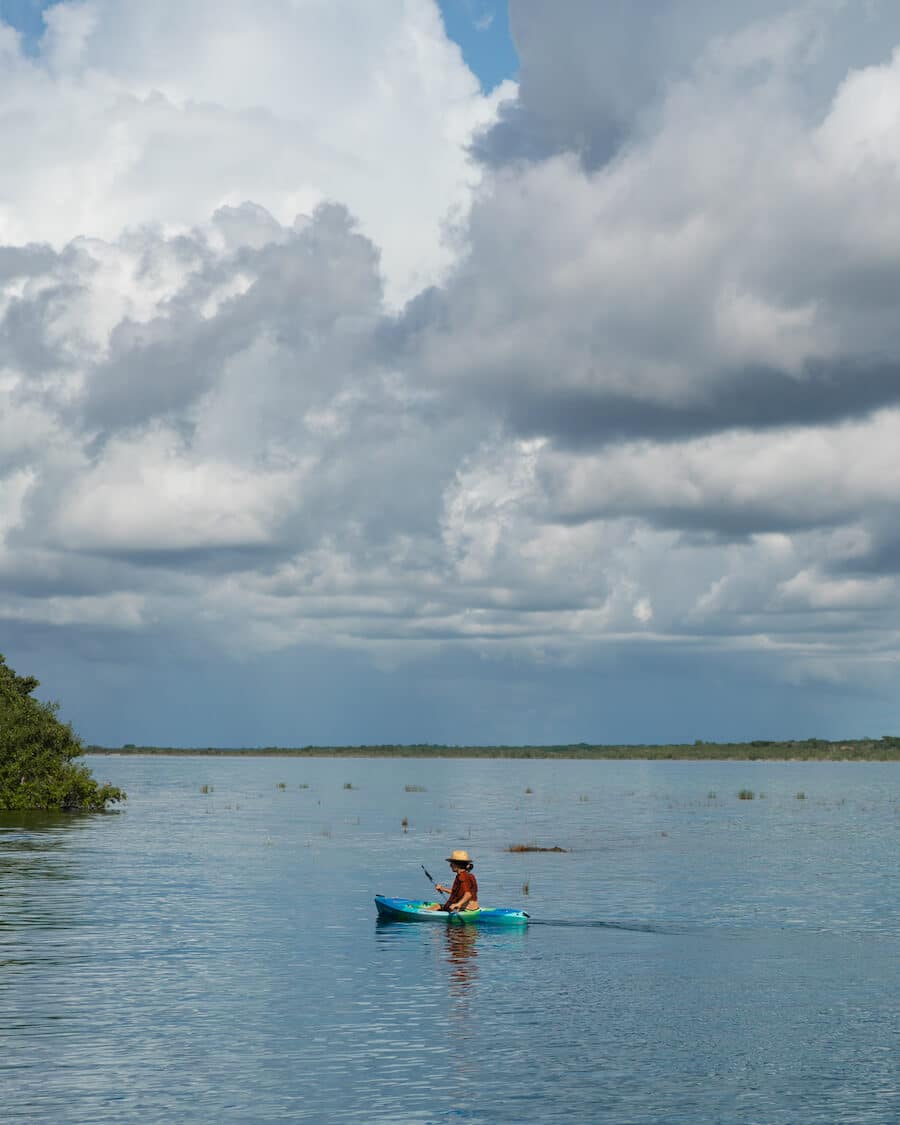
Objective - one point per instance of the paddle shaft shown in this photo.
(430, 880)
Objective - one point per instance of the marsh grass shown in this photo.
(526, 886)
(206, 789)
(529, 790)
(348, 784)
(282, 785)
(303, 785)
(746, 795)
(801, 796)
(404, 824)
(517, 848)
(414, 789)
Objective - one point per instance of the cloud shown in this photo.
(737, 483)
(733, 269)
(595, 75)
(645, 394)
(161, 114)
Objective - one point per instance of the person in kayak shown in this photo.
(464, 892)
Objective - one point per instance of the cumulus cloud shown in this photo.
(161, 114)
(645, 391)
(594, 76)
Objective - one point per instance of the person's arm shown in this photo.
(453, 892)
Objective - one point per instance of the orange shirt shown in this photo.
(464, 881)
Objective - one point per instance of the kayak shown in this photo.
(417, 910)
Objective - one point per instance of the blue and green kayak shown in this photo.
(419, 910)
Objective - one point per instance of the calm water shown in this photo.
(694, 958)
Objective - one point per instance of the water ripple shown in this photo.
(214, 956)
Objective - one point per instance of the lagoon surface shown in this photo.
(213, 956)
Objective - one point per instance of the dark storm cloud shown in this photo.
(25, 261)
(594, 71)
(157, 368)
(758, 399)
(24, 342)
(305, 292)
(881, 555)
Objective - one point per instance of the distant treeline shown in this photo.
(885, 749)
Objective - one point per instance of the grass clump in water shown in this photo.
(282, 785)
(801, 796)
(206, 789)
(414, 789)
(534, 848)
(746, 795)
(348, 784)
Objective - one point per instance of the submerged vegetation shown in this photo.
(37, 752)
(884, 749)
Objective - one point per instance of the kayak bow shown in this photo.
(417, 910)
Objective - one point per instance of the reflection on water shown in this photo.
(34, 851)
(462, 954)
(209, 953)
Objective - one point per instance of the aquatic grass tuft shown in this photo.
(206, 789)
(281, 785)
(529, 790)
(303, 785)
(404, 824)
(801, 796)
(534, 848)
(414, 789)
(711, 795)
(746, 795)
(348, 784)
(583, 797)
(526, 886)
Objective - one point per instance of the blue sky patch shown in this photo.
(27, 17)
(481, 28)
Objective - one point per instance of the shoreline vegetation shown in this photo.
(39, 770)
(884, 749)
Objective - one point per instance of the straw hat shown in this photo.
(460, 856)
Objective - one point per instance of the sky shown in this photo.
(451, 373)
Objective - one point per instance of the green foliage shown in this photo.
(37, 770)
